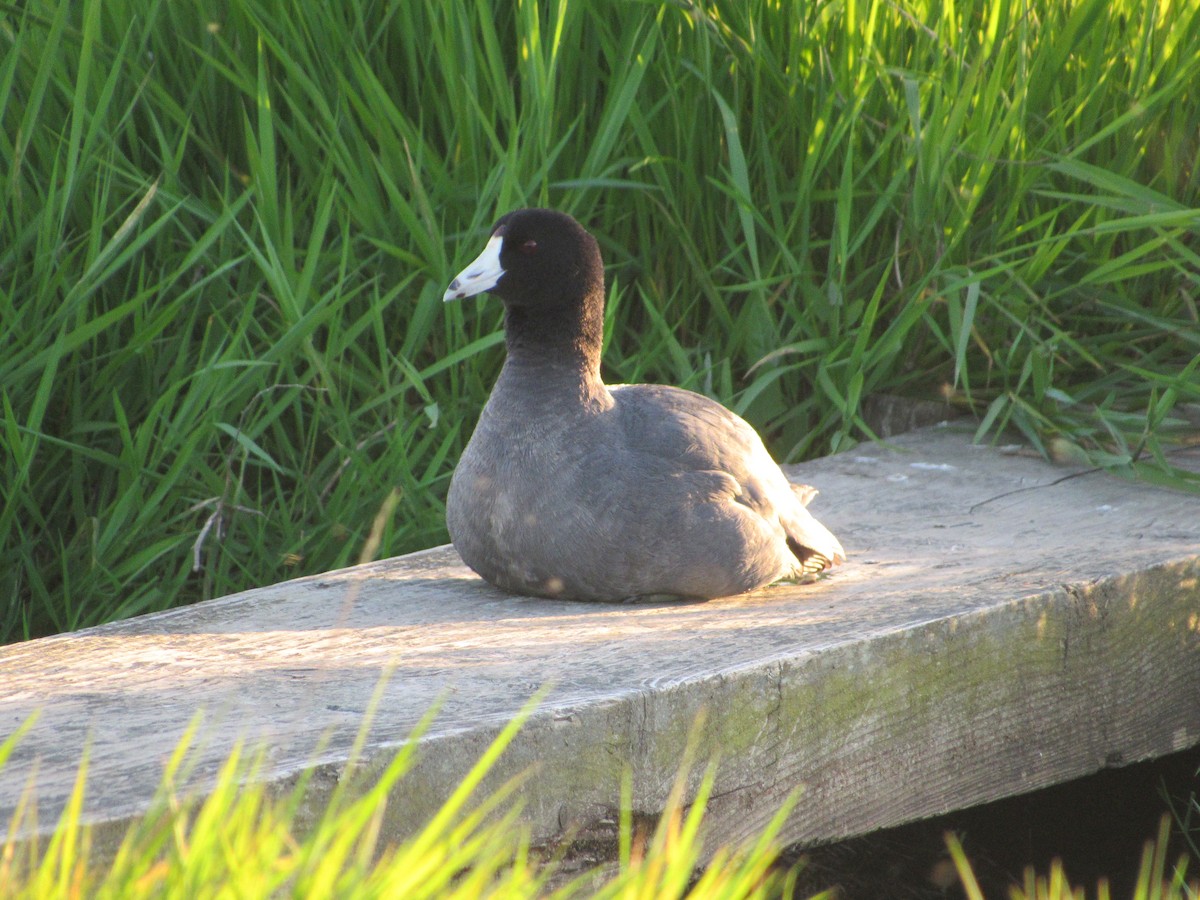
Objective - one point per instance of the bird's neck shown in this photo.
(556, 346)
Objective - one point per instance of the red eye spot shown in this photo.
(529, 247)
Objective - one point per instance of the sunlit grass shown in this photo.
(239, 838)
(225, 230)
(243, 840)
(1157, 878)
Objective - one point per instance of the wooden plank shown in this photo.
(1002, 624)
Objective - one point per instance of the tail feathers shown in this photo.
(804, 492)
(812, 562)
(813, 545)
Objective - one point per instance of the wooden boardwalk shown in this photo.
(1002, 624)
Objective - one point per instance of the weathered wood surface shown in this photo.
(999, 627)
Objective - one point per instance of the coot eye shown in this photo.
(529, 247)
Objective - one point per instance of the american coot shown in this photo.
(570, 488)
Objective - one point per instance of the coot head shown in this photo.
(534, 257)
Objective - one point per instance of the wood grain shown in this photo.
(999, 627)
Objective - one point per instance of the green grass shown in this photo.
(225, 230)
(1157, 879)
(243, 840)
